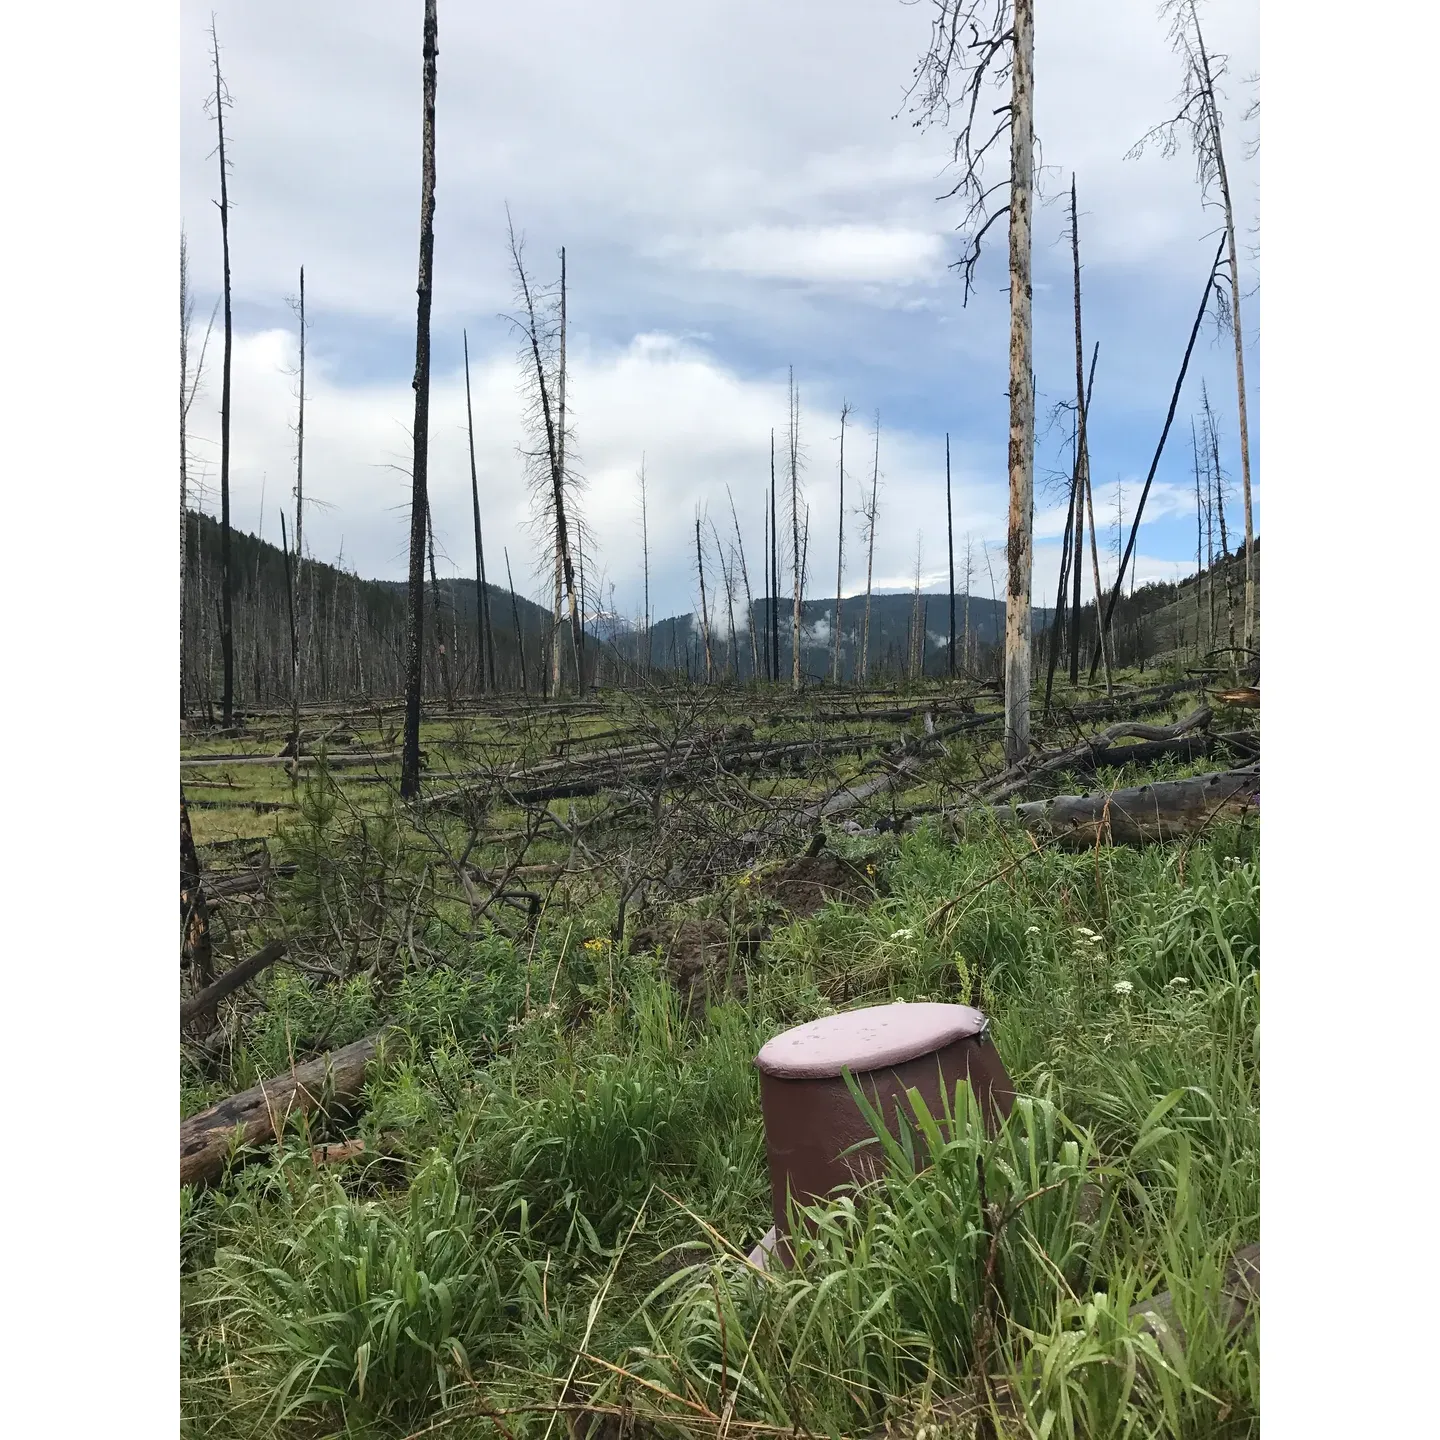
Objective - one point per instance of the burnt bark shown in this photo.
(419, 498)
(204, 1003)
(1166, 810)
(254, 1116)
(195, 949)
(227, 637)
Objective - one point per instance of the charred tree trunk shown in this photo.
(300, 440)
(1166, 810)
(870, 559)
(440, 651)
(840, 555)
(950, 552)
(645, 557)
(795, 532)
(293, 743)
(745, 577)
(227, 638)
(484, 629)
(203, 1004)
(704, 613)
(774, 572)
(1159, 448)
(515, 614)
(1057, 627)
(206, 1139)
(1223, 176)
(1081, 441)
(195, 949)
(764, 621)
(419, 495)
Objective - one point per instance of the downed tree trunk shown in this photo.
(334, 762)
(1247, 697)
(1165, 810)
(258, 1114)
(260, 807)
(232, 979)
(246, 882)
(1019, 776)
(1239, 1294)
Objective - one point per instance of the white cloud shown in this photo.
(699, 426)
(689, 169)
(829, 254)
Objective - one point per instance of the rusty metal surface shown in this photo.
(811, 1121)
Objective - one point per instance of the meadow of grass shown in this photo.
(566, 1161)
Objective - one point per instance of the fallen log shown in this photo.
(334, 762)
(1136, 702)
(245, 882)
(851, 797)
(1247, 697)
(1239, 1294)
(1165, 810)
(208, 998)
(258, 1114)
(1018, 777)
(260, 807)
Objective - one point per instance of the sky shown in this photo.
(739, 190)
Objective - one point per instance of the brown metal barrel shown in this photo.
(811, 1118)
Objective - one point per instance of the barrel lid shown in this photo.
(870, 1039)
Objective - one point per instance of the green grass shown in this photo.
(576, 1164)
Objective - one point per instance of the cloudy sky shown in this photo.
(736, 196)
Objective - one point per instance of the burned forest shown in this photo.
(676, 997)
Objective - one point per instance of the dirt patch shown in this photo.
(808, 883)
(698, 956)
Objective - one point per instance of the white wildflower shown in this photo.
(901, 934)
(1178, 980)
(1032, 929)
(1122, 987)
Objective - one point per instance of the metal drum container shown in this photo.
(811, 1118)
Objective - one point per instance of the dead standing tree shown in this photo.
(704, 612)
(798, 552)
(1199, 117)
(189, 387)
(870, 510)
(950, 553)
(1083, 497)
(774, 597)
(221, 102)
(551, 484)
(1155, 459)
(298, 305)
(1214, 438)
(419, 499)
(839, 553)
(975, 45)
(745, 577)
(440, 652)
(645, 560)
(484, 627)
